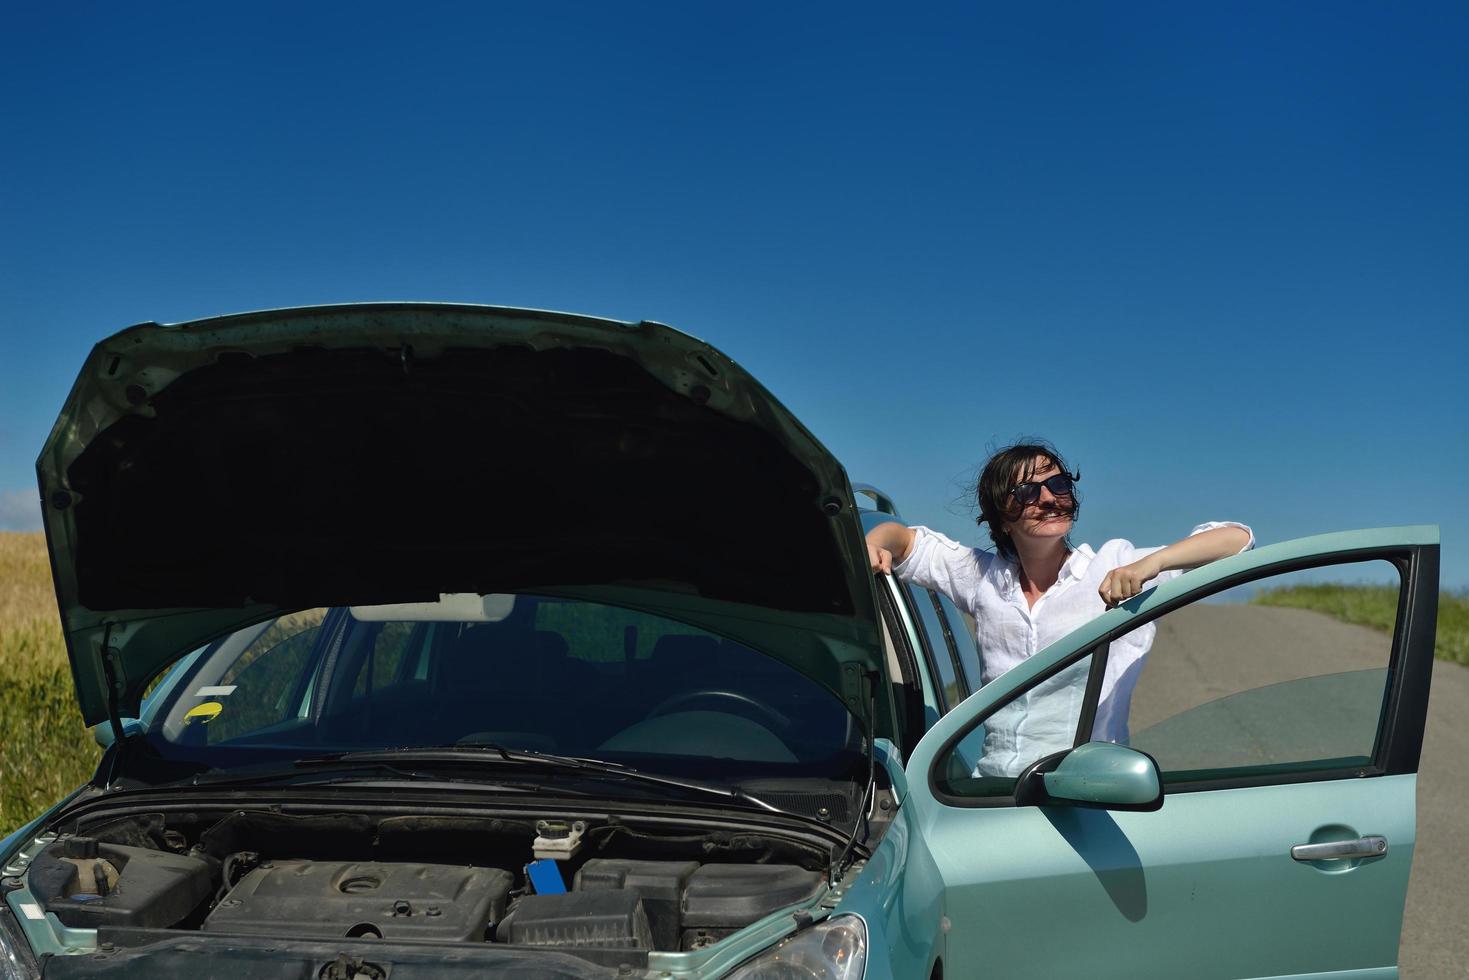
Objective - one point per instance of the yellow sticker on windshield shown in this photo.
(204, 713)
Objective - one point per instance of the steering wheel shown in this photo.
(763, 711)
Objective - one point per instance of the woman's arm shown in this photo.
(1127, 581)
(887, 545)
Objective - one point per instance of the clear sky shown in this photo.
(1219, 255)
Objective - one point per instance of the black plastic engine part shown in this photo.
(660, 884)
(89, 885)
(731, 896)
(694, 939)
(195, 957)
(78, 847)
(335, 899)
(600, 919)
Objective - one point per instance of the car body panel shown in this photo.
(1206, 886)
(1203, 888)
(899, 894)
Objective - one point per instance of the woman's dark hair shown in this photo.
(1005, 469)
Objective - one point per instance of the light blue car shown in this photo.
(460, 641)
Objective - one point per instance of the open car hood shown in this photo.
(210, 474)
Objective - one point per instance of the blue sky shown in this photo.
(1219, 256)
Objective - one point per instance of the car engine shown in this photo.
(336, 878)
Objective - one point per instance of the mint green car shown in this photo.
(452, 641)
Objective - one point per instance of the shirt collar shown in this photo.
(1076, 565)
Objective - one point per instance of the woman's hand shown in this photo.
(1198, 549)
(1127, 581)
(887, 545)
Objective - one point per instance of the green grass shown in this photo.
(1376, 606)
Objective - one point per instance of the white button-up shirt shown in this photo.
(1009, 630)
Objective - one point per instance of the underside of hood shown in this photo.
(208, 474)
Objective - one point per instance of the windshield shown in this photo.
(522, 671)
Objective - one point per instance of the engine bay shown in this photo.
(607, 892)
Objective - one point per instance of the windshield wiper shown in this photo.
(483, 752)
(348, 770)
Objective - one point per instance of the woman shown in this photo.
(1036, 588)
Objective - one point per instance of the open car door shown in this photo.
(1285, 744)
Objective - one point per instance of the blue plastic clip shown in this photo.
(545, 877)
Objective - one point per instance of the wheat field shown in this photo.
(45, 751)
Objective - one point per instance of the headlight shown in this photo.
(833, 950)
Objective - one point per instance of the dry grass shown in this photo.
(45, 751)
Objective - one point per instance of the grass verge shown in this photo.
(1376, 606)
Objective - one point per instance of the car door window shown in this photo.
(1258, 681)
(263, 684)
(1039, 721)
(607, 634)
(936, 648)
(961, 628)
(1253, 683)
(395, 648)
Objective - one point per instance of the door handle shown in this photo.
(1340, 850)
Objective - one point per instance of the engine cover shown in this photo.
(331, 899)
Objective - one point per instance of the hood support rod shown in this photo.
(835, 870)
(110, 669)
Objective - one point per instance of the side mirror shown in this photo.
(1101, 775)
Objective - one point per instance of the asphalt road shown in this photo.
(1217, 650)
(1436, 925)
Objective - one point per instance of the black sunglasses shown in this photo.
(1060, 485)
